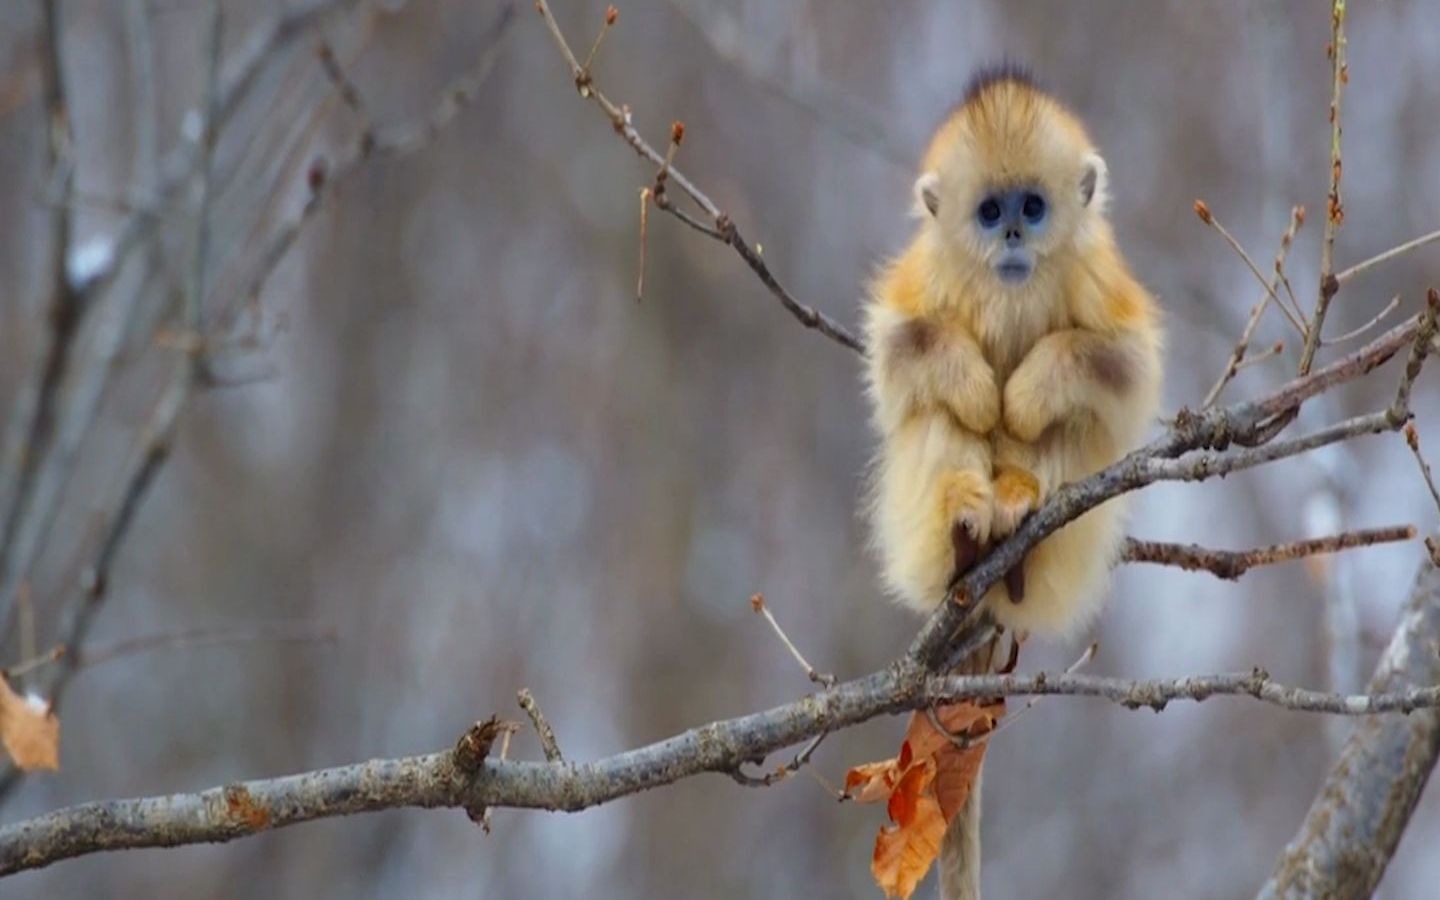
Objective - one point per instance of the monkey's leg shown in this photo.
(932, 503)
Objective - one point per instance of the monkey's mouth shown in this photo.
(1013, 271)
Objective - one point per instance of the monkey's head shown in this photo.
(1010, 179)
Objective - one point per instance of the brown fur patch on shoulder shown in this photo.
(1004, 72)
(915, 338)
(1109, 364)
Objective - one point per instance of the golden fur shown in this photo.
(988, 395)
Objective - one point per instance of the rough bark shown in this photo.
(1355, 823)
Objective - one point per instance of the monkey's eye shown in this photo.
(1033, 208)
(989, 212)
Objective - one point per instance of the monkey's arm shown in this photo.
(918, 365)
(1113, 377)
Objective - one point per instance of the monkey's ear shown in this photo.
(927, 194)
(1093, 181)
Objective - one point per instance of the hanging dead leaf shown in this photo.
(956, 767)
(924, 787)
(905, 850)
(29, 731)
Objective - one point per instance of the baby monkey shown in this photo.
(1010, 351)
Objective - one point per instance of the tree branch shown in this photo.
(1229, 565)
(725, 229)
(435, 780)
(1334, 209)
(1356, 821)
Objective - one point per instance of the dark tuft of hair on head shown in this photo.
(999, 73)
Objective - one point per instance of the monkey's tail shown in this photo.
(960, 851)
(959, 864)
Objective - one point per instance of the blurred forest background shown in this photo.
(461, 446)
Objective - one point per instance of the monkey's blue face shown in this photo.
(1011, 221)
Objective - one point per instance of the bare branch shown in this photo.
(1357, 332)
(31, 429)
(1231, 564)
(724, 228)
(1419, 350)
(324, 176)
(1392, 253)
(190, 638)
(542, 726)
(439, 780)
(757, 604)
(1206, 216)
(1335, 210)
(1412, 438)
(30, 510)
(195, 290)
(1242, 346)
(1357, 818)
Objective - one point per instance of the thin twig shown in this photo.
(1268, 353)
(87, 383)
(32, 423)
(209, 133)
(757, 604)
(784, 771)
(1242, 346)
(30, 663)
(1206, 216)
(1392, 253)
(1419, 350)
(191, 638)
(725, 229)
(1412, 438)
(1335, 210)
(324, 176)
(542, 726)
(1363, 329)
(1229, 565)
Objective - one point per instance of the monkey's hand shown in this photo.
(920, 366)
(1018, 492)
(1068, 372)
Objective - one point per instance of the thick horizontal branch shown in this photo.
(1231, 564)
(435, 780)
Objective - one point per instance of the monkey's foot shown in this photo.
(1017, 494)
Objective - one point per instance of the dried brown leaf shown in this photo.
(29, 731)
